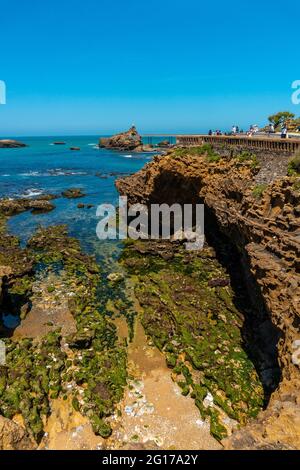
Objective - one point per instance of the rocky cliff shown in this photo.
(261, 224)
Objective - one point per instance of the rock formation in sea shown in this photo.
(225, 318)
(125, 141)
(254, 229)
(39, 204)
(7, 143)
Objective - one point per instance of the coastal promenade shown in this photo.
(271, 143)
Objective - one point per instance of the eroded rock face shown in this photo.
(14, 437)
(263, 224)
(127, 141)
(6, 143)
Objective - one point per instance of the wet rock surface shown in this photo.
(130, 140)
(7, 143)
(87, 365)
(73, 193)
(39, 204)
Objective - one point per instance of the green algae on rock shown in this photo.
(31, 376)
(98, 366)
(193, 320)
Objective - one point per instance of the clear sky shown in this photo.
(97, 66)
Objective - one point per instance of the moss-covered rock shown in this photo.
(189, 313)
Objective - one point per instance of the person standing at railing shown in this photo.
(284, 132)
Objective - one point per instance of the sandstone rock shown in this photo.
(11, 144)
(73, 193)
(14, 437)
(127, 141)
(265, 232)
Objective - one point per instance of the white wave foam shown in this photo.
(32, 192)
(54, 172)
(30, 173)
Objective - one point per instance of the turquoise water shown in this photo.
(46, 168)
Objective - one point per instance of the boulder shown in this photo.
(14, 437)
(7, 144)
(127, 141)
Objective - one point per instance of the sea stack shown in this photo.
(10, 144)
(126, 141)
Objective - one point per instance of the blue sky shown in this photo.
(97, 66)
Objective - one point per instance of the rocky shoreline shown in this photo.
(261, 224)
(225, 320)
(55, 363)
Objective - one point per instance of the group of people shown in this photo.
(217, 132)
(284, 130)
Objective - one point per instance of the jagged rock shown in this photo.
(41, 204)
(14, 437)
(10, 144)
(164, 143)
(73, 193)
(127, 141)
(115, 277)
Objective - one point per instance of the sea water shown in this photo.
(43, 167)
